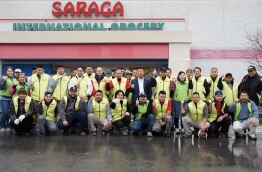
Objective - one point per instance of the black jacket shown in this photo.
(21, 110)
(252, 85)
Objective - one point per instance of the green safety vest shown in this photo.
(181, 92)
(238, 109)
(141, 109)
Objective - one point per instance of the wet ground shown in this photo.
(117, 153)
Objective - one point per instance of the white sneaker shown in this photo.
(149, 134)
(2, 130)
(177, 131)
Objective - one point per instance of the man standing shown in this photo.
(99, 82)
(229, 88)
(245, 115)
(83, 84)
(59, 86)
(162, 83)
(140, 85)
(118, 83)
(200, 84)
(213, 81)
(195, 115)
(252, 84)
(38, 86)
(99, 113)
(21, 112)
(89, 73)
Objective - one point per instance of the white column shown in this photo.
(179, 57)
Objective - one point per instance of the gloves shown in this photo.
(16, 121)
(21, 117)
(116, 101)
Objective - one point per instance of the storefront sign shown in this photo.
(146, 26)
(106, 9)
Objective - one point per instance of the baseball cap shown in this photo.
(18, 70)
(219, 93)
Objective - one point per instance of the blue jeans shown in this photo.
(176, 111)
(4, 115)
(79, 117)
(145, 122)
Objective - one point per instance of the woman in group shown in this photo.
(120, 113)
(6, 82)
(181, 94)
(20, 84)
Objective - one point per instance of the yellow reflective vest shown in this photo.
(198, 86)
(118, 86)
(213, 114)
(82, 87)
(160, 110)
(196, 111)
(119, 111)
(61, 87)
(49, 111)
(100, 86)
(77, 105)
(99, 108)
(162, 85)
(27, 103)
(39, 86)
(89, 77)
(213, 87)
(230, 92)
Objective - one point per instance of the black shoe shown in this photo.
(167, 135)
(65, 133)
(252, 138)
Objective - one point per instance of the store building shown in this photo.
(128, 33)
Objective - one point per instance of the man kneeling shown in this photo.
(144, 117)
(47, 114)
(195, 115)
(21, 112)
(245, 115)
(99, 113)
(71, 112)
(162, 109)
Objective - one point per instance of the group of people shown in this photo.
(129, 102)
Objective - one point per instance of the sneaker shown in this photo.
(177, 131)
(93, 133)
(149, 134)
(82, 134)
(2, 130)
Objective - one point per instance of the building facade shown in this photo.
(149, 33)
